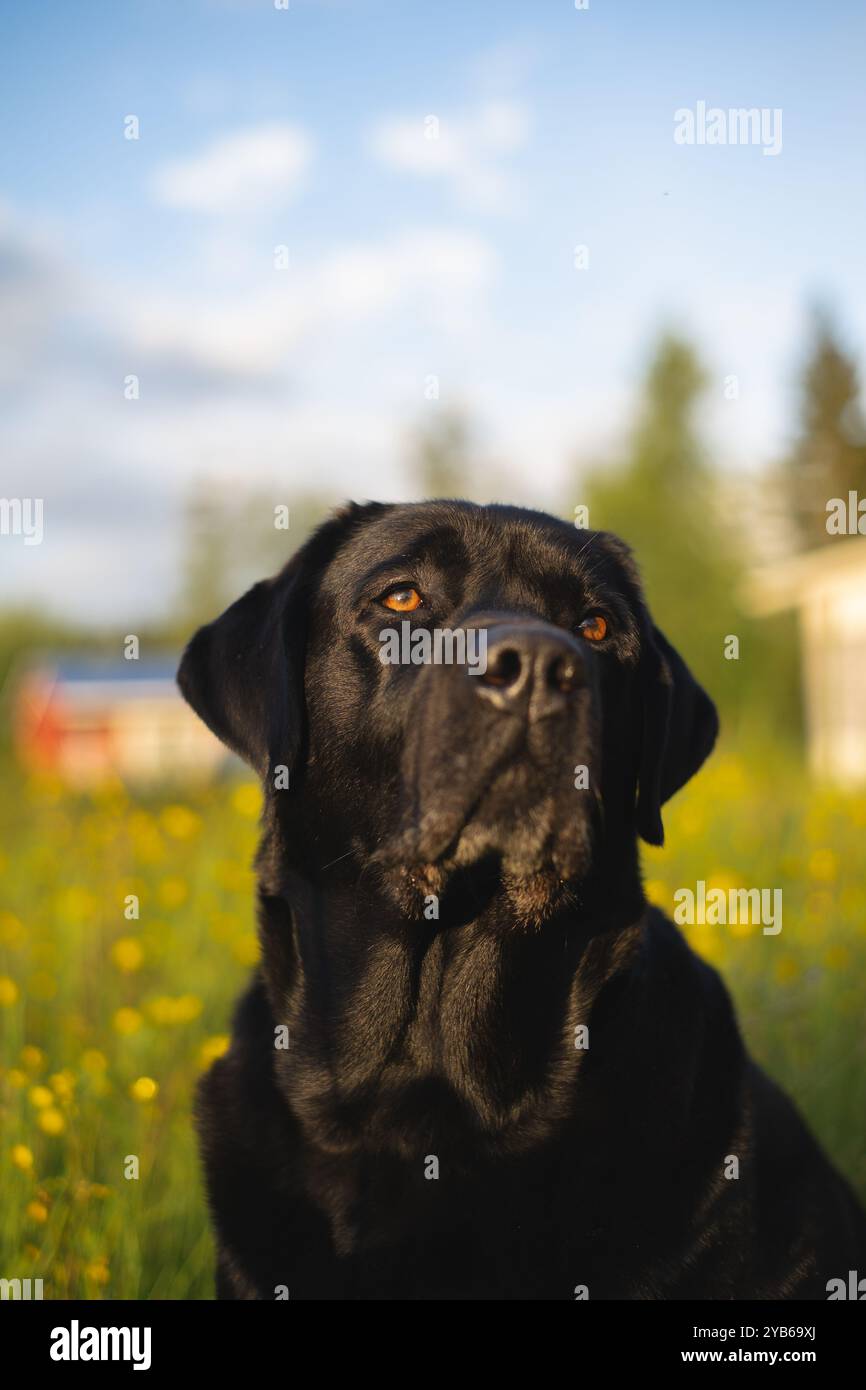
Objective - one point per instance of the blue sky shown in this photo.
(408, 256)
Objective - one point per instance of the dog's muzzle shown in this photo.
(490, 757)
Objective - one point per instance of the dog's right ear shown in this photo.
(243, 674)
(238, 673)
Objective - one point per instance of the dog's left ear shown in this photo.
(680, 725)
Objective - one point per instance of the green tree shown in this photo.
(235, 535)
(665, 500)
(660, 498)
(442, 450)
(829, 456)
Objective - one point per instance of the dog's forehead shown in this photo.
(490, 541)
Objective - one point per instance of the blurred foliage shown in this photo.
(663, 497)
(107, 1021)
(235, 536)
(446, 460)
(441, 452)
(829, 457)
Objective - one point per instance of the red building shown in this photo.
(87, 721)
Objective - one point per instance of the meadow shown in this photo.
(108, 1018)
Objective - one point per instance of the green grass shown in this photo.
(107, 1021)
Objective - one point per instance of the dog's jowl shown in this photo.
(506, 1075)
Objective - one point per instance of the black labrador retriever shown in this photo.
(474, 1063)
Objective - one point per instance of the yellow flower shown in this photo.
(17, 1078)
(173, 892)
(40, 1096)
(93, 1060)
(11, 930)
(180, 822)
(247, 800)
(127, 1021)
(77, 904)
(97, 1270)
(181, 1009)
(168, 1010)
(22, 1157)
(33, 1058)
(8, 991)
(148, 842)
(213, 1048)
(144, 1089)
(127, 954)
(63, 1084)
(823, 864)
(51, 1121)
(37, 1211)
(741, 928)
(722, 879)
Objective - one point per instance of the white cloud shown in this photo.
(218, 338)
(468, 152)
(297, 378)
(439, 274)
(264, 164)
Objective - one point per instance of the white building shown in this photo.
(827, 587)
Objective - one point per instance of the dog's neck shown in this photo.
(391, 1021)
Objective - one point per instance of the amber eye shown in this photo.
(402, 599)
(593, 628)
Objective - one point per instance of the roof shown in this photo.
(97, 681)
(100, 670)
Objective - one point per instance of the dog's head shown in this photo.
(444, 686)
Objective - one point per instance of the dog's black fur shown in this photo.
(414, 1041)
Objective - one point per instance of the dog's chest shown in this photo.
(429, 1053)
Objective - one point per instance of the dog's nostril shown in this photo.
(504, 670)
(565, 674)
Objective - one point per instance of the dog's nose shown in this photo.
(533, 670)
